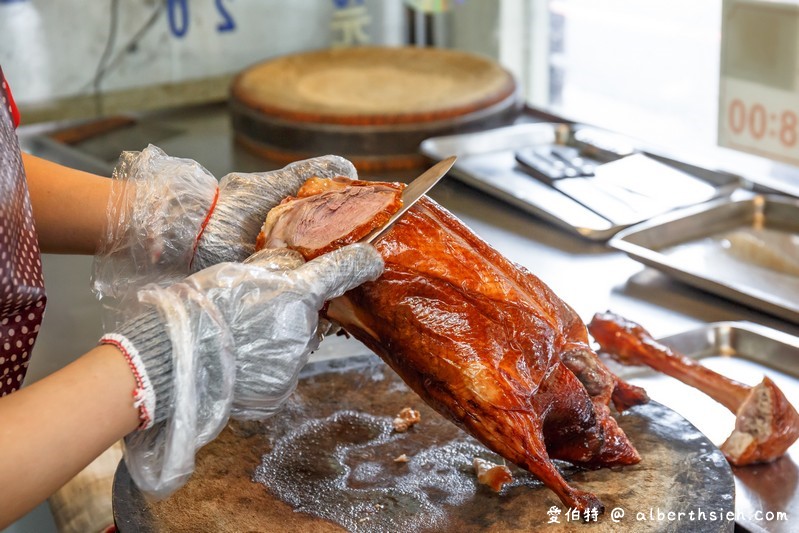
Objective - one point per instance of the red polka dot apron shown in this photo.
(22, 297)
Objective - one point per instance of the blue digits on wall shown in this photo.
(227, 23)
(341, 4)
(177, 13)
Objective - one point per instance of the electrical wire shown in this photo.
(109, 48)
(107, 64)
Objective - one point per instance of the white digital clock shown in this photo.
(759, 78)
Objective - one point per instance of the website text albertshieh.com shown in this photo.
(656, 514)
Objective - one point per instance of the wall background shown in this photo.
(79, 57)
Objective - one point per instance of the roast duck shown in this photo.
(482, 340)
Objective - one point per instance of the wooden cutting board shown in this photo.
(371, 104)
(327, 459)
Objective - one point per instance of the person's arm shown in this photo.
(69, 206)
(52, 429)
(238, 335)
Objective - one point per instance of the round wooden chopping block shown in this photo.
(373, 105)
(329, 462)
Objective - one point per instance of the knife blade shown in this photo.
(411, 194)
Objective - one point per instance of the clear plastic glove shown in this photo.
(230, 339)
(168, 217)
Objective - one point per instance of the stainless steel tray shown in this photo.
(487, 161)
(745, 248)
(745, 352)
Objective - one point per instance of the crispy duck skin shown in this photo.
(488, 345)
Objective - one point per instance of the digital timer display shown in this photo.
(756, 122)
(759, 122)
(758, 98)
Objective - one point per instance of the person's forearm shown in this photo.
(52, 429)
(69, 206)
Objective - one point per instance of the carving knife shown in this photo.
(411, 194)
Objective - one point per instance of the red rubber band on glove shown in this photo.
(202, 226)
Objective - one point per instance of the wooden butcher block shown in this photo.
(374, 105)
(327, 463)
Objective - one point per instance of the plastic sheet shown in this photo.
(156, 206)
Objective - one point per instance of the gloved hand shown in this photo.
(168, 217)
(228, 340)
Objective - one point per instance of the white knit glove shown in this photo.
(228, 340)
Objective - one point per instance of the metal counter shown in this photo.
(589, 276)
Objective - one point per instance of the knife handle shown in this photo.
(540, 163)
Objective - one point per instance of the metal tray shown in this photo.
(745, 248)
(745, 352)
(487, 161)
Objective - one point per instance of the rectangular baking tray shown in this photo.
(745, 352)
(486, 161)
(744, 248)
